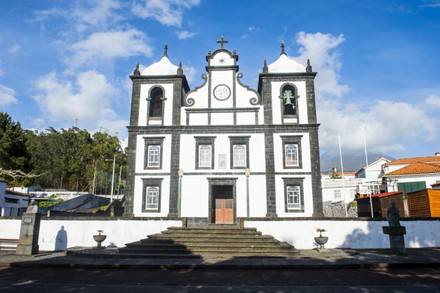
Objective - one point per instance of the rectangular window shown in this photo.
(205, 156)
(152, 198)
(292, 151)
(151, 194)
(204, 152)
(337, 194)
(153, 152)
(154, 156)
(239, 155)
(291, 155)
(293, 198)
(239, 151)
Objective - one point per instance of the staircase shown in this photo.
(216, 242)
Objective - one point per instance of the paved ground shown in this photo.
(339, 270)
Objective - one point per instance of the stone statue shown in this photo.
(393, 215)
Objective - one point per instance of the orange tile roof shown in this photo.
(385, 194)
(430, 159)
(417, 168)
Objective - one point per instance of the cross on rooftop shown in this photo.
(222, 42)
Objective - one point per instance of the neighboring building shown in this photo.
(424, 203)
(12, 203)
(223, 150)
(380, 202)
(339, 186)
(344, 187)
(412, 174)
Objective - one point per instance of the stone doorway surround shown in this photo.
(228, 187)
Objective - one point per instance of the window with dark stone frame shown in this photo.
(292, 154)
(204, 152)
(153, 152)
(239, 152)
(293, 195)
(151, 197)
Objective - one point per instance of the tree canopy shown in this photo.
(70, 158)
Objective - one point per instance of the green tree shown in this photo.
(13, 152)
(70, 158)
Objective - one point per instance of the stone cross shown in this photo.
(222, 42)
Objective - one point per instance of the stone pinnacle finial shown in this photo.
(136, 71)
(165, 51)
(282, 48)
(265, 68)
(309, 67)
(180, 70)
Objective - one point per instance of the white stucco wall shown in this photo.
(350, 233)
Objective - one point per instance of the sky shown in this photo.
(67, 63)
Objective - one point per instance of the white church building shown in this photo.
(223, 151)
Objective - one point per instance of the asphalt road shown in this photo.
(219, 280)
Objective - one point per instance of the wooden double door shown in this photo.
(223, 204)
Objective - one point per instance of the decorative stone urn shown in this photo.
(99, 238)
(321, 240)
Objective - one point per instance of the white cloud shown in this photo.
(167, 12)
(322, 50)
(96, 14)
(182, 35)
(104, 46)
(7, 96)
(14, 48)
(386, 125)
(190, 73)
(251, 30)
(433, 101)
(87, 99)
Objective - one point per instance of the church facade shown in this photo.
(223, 151)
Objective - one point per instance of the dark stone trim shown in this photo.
(222, 110)
(316, 174)
(311, 103)
(145, 79)
(222, 68)
(270, 176)
(207, 129)
(153, 141)
(130, 180)
(174, 176)
(294, 182)
(157, 182)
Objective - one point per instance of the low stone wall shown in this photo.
(61, 233)
(349, 233)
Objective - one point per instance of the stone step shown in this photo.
(209, 238)
(209, 242)
(200, 245)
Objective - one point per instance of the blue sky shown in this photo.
(65, 63)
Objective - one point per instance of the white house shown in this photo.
(12, 203)
(412, 174)
(223, 151)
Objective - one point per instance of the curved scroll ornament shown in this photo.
(189, 102)
(254, 100)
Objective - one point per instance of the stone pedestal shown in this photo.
(397, 240)
(29, 231)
